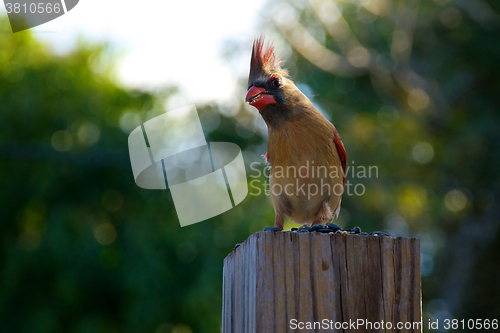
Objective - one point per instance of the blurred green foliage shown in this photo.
(412, 87)
(83, 249)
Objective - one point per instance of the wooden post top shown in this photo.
(278, 281)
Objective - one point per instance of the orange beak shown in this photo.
(257, 97)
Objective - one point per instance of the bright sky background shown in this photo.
(164, 42)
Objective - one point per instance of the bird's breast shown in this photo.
(303, 156)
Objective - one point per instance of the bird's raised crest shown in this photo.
(264, 60)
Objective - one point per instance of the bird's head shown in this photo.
(269, 88)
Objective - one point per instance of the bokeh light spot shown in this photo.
(400, 41)
(62, 141)
(423, 152)
(129, 121)
(88, 134)
(182, 328)
(105, 234)
(386, 62)
(396, 226)
(418, 99)
(455, 200)
(13, 71)
(164, 328)
(412, 200)
(358, 57)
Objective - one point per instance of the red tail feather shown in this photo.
(341, 151)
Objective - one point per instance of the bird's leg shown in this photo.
(318, 220)
(279, 221)
(324, 214)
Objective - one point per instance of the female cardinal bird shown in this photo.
(304, 150)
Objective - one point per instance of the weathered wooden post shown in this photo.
(313, 282)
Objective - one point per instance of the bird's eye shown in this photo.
(275, 81)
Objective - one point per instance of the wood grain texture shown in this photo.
(276, 277)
